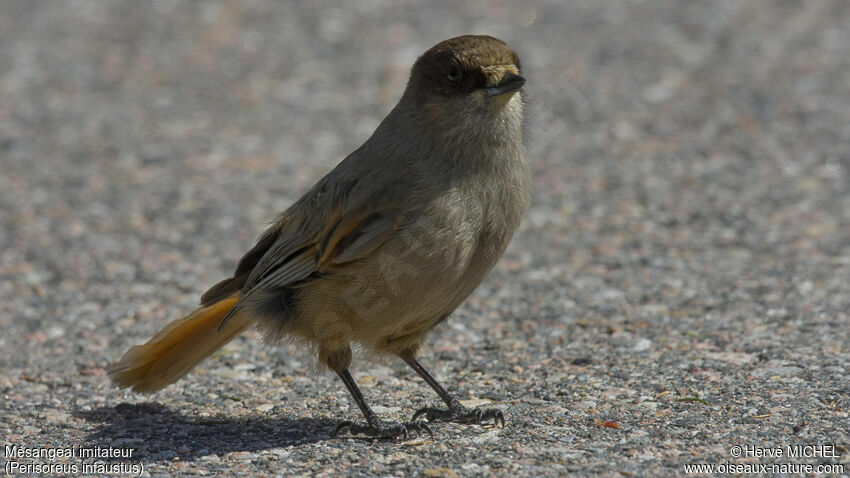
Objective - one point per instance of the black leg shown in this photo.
(426, 374)
(455, 411)
(373, 426)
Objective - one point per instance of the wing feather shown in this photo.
(336, 222)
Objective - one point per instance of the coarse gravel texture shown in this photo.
(680, 285)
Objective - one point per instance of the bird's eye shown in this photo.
(455, 74)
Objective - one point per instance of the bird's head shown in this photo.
(466, 82)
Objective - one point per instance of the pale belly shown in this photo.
(390, 299)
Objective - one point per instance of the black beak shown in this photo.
(509, 84)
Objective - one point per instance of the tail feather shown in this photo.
(178, 347)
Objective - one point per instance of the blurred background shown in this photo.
(690, 160)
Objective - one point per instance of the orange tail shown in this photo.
(177, 348)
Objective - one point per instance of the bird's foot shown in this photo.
(459, 414)
(380, 429)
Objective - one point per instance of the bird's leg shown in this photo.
(455, 411)
(374, 427)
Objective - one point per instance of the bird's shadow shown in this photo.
(156, 432)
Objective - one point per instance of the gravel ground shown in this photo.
(681, 284)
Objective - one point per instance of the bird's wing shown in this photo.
(233, 284)
(333, 224)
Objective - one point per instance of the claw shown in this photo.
(420, 412)
(461, 415)
(500, 416)
(384, 430)
(346, 425)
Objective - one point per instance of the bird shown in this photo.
(384, 247)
